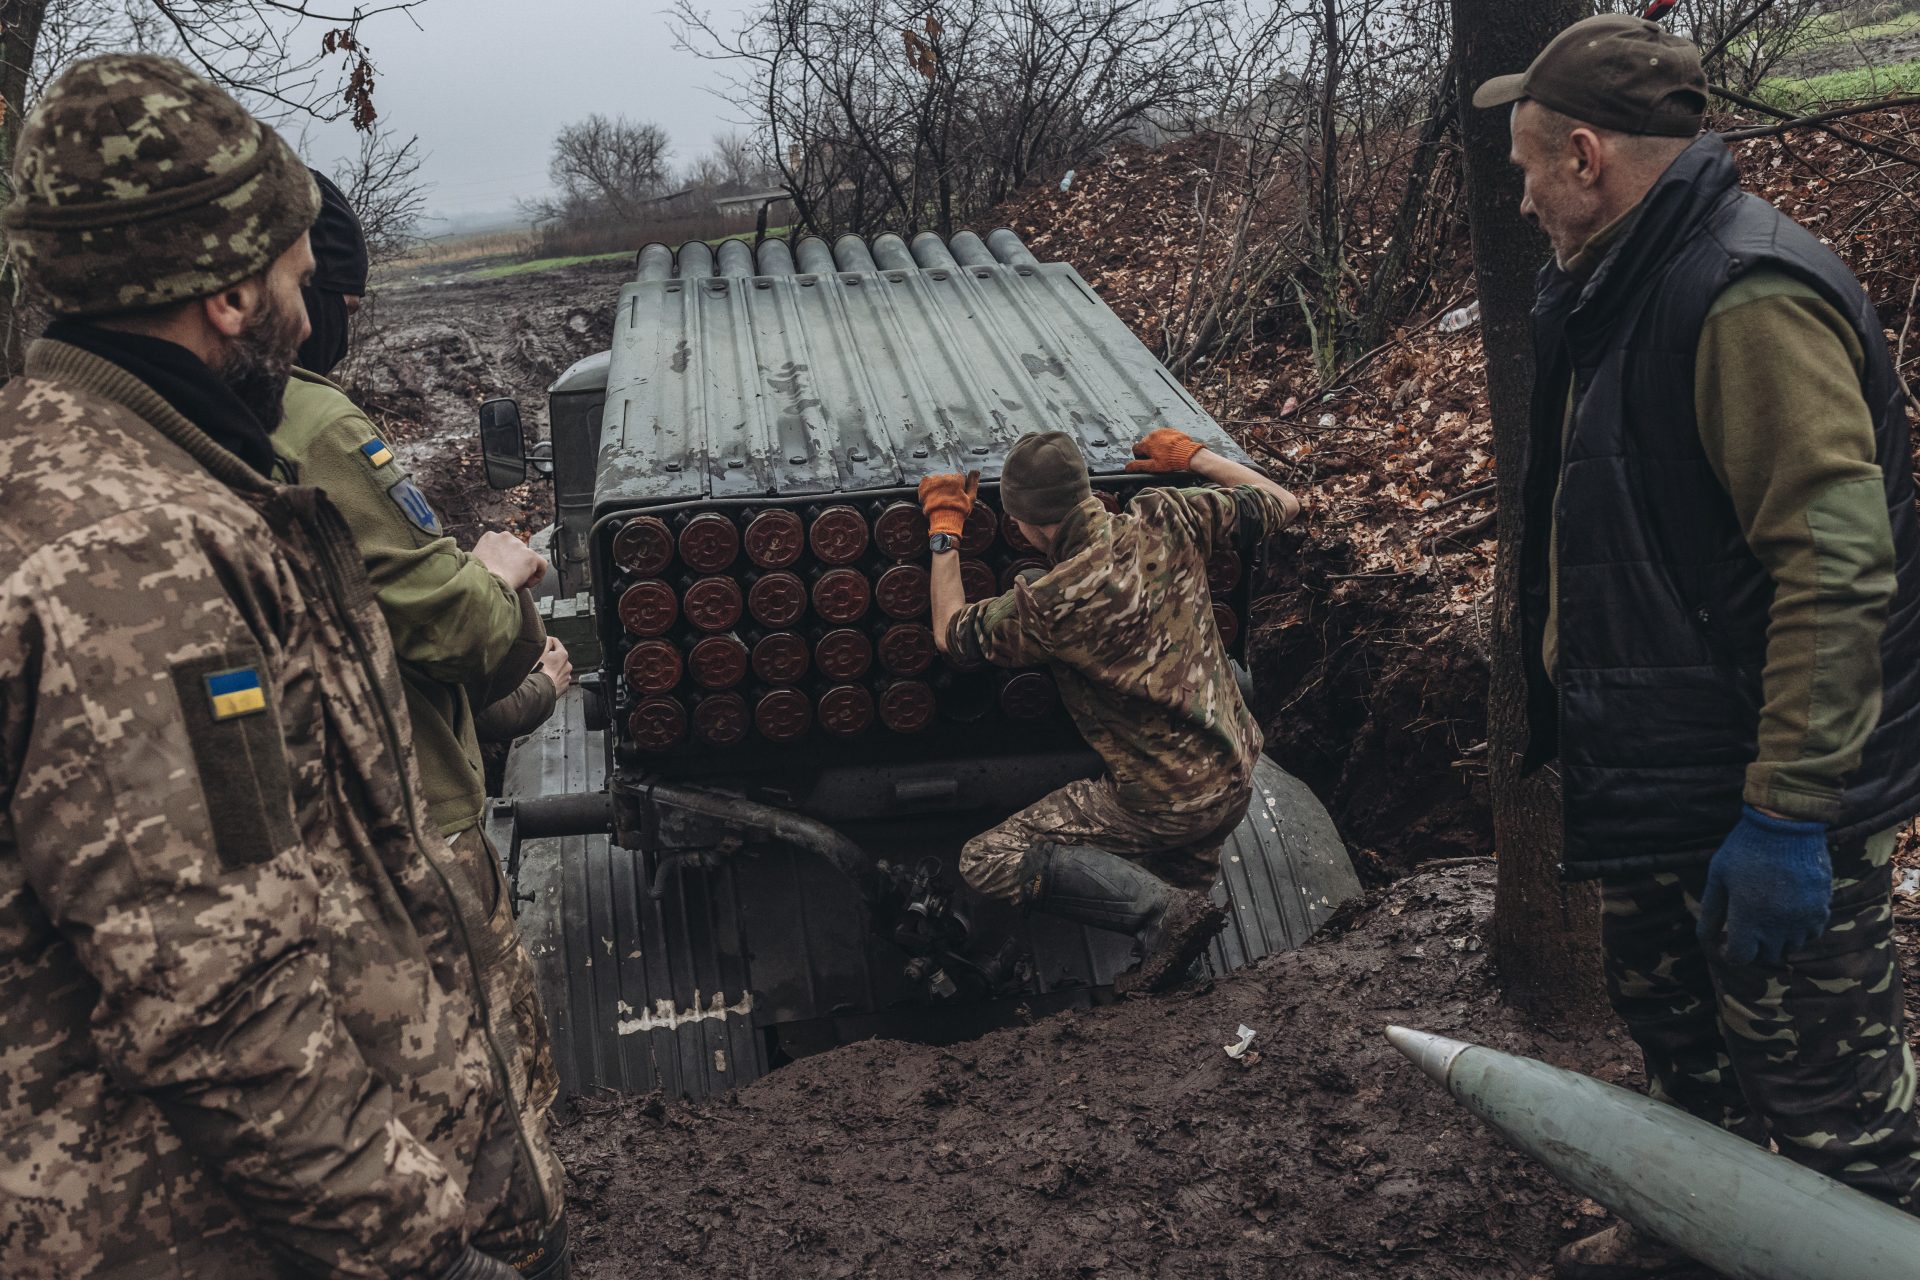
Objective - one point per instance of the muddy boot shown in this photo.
(1621, 1253)
(1170, 926)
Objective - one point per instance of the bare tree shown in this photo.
(286, 59)
(1747, 39)
(1326, 206)
(607, 168)
(922, 113)
(382, 183)
(742, 161)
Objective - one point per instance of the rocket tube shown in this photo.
(1725, 1202)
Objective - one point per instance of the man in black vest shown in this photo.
(1721, 574)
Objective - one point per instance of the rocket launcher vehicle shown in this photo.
(1727, 1203)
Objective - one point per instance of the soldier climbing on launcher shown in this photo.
(1123, 622)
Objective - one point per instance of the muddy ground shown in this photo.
(1120, 1142)
(429, 350)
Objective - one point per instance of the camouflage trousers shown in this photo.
(1182, 849)
(519, 1022)
(1811, 1052)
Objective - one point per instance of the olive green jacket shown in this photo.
(456, 627)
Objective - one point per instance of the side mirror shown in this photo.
(502, 444)
(541, 456)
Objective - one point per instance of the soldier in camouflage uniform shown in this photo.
(467, 634)
(1123, 620)
(243, 1028)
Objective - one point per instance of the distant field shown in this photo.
(502, 270)
(1846, 64)
(1900, 25)
(1857, 84)
(506, 269)
(498, 255)
(456, 249)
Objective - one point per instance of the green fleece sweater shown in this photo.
(461, 637)
(1787, 430)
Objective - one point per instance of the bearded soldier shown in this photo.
(245, 1027)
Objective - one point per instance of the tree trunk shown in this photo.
(1545, 933)
(19, 38)
(1387, 299)
(1332, 236)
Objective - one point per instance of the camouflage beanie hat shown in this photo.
(138, 184)
(1044, 478)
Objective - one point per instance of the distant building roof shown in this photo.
(752, 197)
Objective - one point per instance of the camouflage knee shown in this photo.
(1659, 983)
(993, 864)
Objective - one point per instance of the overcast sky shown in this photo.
(487, 83)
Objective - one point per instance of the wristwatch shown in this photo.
(940, 543)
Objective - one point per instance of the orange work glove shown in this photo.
(948, 501)
(1165, 450)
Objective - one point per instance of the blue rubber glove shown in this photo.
(1770, 884)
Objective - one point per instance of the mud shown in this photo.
(427, 352)
(1120, 1142)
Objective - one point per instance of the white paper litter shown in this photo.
(1238, 1048)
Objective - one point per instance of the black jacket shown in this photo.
(1663, 608)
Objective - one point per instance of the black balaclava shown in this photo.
(340, 271)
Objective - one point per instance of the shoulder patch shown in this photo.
(239, 756)
(414, 505)
(236, 693)
(376, 453)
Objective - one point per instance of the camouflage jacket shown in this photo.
(241, 1030)
(453, 624)
(1124, 623)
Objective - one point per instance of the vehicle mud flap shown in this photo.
(640, 995)
(1283, 872)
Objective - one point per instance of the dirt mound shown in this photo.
(1117, 1142)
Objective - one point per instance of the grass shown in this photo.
(467, 248)
(1829, 31)
(544, 264)
(1858, 84)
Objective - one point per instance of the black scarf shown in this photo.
(339, 270)
(184, 381)
(326, 346)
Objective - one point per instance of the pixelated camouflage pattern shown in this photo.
(513, 988)
(1181, 848)
(451, 622)
(137, 183)
(1124, 623)
(270, 1063)
(1811, 1052)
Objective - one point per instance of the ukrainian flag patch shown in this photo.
(376, 452)
(236, 693)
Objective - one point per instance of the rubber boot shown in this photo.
(1621, 1253)
(1171, 927)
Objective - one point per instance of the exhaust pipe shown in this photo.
(593, 814)
(1725, 1202)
